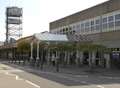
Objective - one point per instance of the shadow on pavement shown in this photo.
(71, 79)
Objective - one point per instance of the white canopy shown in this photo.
(48, 37)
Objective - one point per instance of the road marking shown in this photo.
(108, 77)
(100, 86)
(7, 73)
(15, 70)
(16, 76)
(33, 84)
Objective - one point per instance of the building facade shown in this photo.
(100, 23)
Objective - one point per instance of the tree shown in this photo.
(23, 48)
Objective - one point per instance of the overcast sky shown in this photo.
(37, 14)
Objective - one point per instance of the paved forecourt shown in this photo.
(11, 77)
(9, 80)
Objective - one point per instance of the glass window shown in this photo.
(117, 23)
(104, 20)
(74, 27)
(117, 17)
(97, 27)
(97, 21)
(86, 29)
(87, 24)
(93, 28)
(110, 18)
(105, 26)
(92, 22)
(111, 24)
(82, 26)
(78, 26)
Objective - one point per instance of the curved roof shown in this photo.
(48, 37)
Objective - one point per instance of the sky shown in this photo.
(37, 14)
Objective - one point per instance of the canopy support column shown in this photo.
(31, 56)
(38, 50)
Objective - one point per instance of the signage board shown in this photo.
(14, 12)
(14, 21)
(115, 55)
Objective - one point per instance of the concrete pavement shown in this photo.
(10, 80)
(51, 79)
(7, 81)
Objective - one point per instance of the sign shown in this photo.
(14, 21)
(14, 12)
(115, 55)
